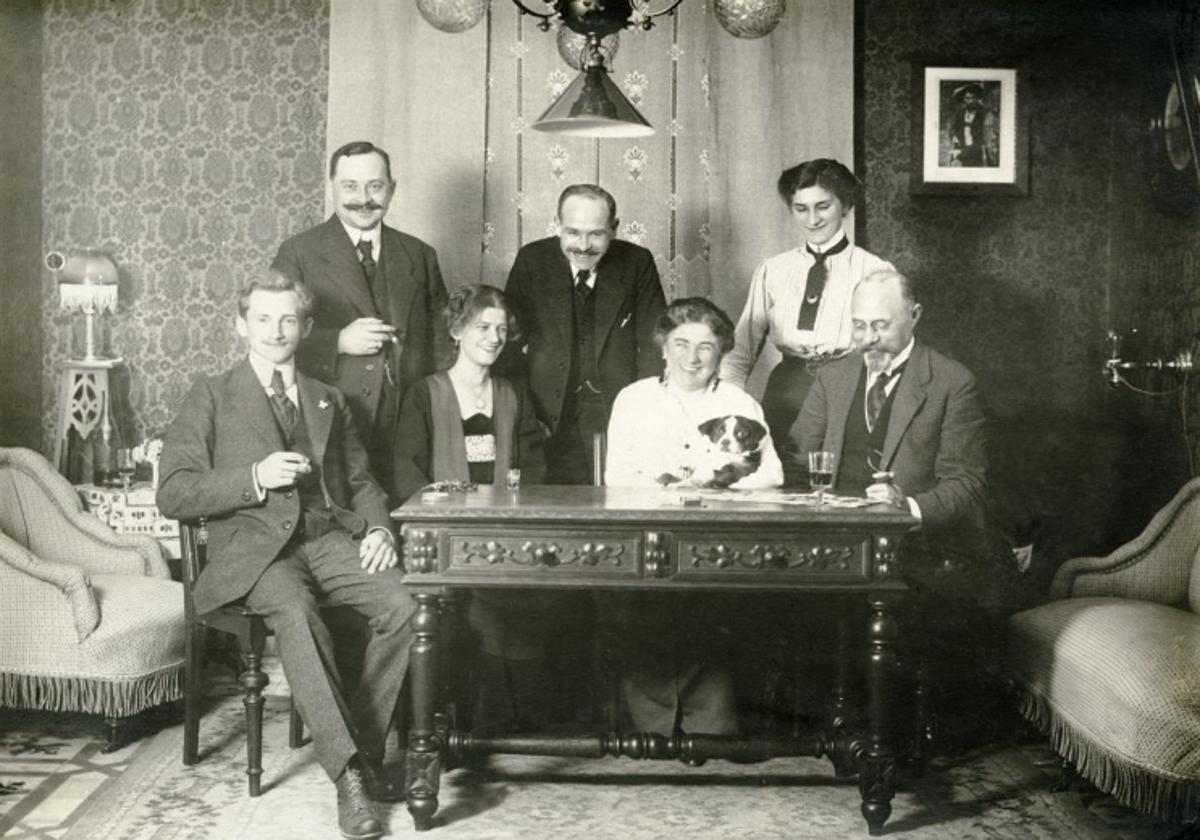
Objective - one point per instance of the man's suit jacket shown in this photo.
(223, 428)
(935, 443)
(326, 260)
(628, 299)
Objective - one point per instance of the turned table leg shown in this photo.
(423, 759)
(876, 775)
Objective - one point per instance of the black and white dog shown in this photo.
(734, 451)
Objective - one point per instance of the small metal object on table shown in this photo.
(631, 539)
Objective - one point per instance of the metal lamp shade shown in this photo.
(593, 106)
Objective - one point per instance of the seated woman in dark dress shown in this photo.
(465, 424)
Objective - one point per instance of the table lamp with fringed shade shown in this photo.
(88, 282)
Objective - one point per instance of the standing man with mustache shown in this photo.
(586, 304)
(380, 294)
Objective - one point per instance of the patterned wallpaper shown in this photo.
(186, 139)
(1023, 289)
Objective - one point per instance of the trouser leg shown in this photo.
(786, 388)
(388, 608)
(570, 458)
(286, 597)
(287, 594)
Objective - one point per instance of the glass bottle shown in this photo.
(106, 440)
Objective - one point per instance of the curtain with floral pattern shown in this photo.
(476, 182)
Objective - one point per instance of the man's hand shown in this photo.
(888, 494)
(377, 551)
(364, 337)
(281, 469)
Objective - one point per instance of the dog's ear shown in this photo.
(712, 429)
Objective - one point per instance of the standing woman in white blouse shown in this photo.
(800, 299)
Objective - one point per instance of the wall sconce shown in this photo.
(593, 105)
(87, 282)
(1115, 366)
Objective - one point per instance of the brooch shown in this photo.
(322, 404)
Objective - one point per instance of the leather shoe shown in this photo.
(382, 785)
(355, 818)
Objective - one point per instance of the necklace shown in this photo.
(476, 393)
(480, 402)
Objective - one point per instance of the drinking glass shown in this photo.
(820, 473)
(126, 466)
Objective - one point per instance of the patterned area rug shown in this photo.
(998, 792)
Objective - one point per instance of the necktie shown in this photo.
(877, 396)
(582, 289)
(368, 261)
(284, 408)
(815, 287)
(370, 271)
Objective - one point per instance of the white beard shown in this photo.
(878, 360)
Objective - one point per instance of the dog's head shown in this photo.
(734, 434)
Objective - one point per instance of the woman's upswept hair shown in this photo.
(695, 310)
(822, 172)
(467, 302)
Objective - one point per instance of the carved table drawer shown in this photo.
(601, 554)
(831, 557)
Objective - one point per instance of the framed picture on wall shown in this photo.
(971, 130)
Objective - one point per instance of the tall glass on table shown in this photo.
(820, 473)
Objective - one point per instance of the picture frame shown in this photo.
(970, 130)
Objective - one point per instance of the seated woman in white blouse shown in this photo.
(654, 430)
(674, 678)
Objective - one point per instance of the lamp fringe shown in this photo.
(111, 698)
(1175, 799)
(81, 296)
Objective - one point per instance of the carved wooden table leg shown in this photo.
(423, 760)
(876, 774)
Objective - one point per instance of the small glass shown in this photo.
(126, 467)
(513, 479)
(820, 473)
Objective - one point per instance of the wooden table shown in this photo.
(609, 538)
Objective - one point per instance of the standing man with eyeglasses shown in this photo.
(586, 304)
(378, 325)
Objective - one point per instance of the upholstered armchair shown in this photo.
(1110, 668)
(90, 620)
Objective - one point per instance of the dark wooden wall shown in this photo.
(1022, 290)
